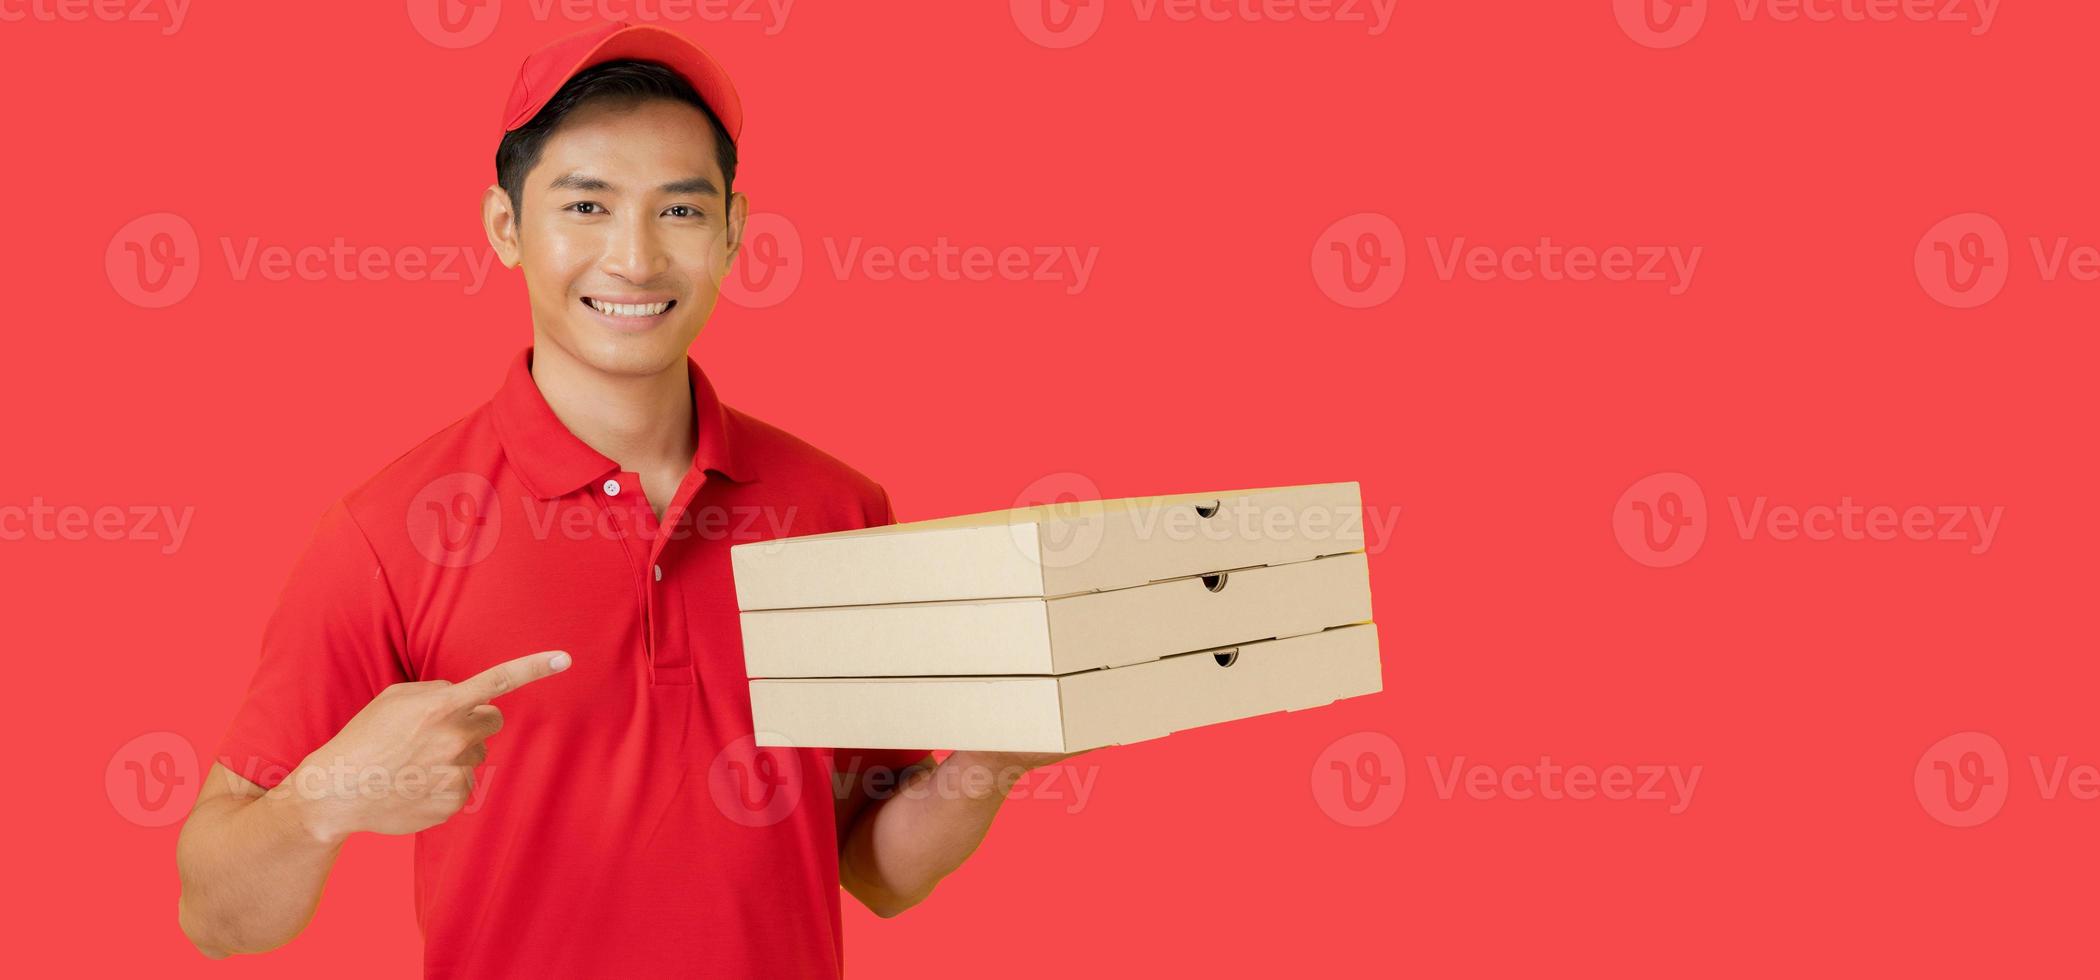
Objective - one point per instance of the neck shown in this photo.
(641, 422)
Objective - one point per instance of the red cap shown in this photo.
(546, 70)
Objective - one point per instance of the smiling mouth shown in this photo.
(630, 309)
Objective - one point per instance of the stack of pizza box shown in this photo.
(1061, 627)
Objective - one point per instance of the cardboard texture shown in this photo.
(1072, 712)
(1062, 627)
(1061, 635)
(1050, 550)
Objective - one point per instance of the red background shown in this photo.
(1502, 419)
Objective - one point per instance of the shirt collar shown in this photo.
(555, 463)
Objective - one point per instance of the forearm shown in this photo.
(252, 873)
(904, 845)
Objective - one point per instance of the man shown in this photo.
(563, 551)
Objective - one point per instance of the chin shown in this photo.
(629, 355)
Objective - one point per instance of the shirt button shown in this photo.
(659, 573)
(612, 488)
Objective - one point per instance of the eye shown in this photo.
(580, 207)
(688, 211)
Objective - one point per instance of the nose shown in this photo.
(632, 251)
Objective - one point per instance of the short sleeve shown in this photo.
(884, 515)
(331, 645)
(848, 761)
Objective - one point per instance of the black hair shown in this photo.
(625, 80)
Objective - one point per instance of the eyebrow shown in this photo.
(580, 182)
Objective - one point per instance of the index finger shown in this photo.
(506, 677)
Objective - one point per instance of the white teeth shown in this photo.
(629, 309)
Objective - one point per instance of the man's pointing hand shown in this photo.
(406, 761)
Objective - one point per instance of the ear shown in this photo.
(721, 251)
(739, 209)
(500, 223)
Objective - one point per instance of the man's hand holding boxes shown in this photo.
(1062, 627)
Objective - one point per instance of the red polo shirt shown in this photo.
(623, 824)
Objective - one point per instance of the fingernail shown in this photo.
(559, 661)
